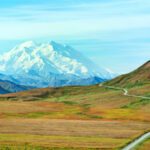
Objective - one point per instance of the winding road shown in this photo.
(142, 138)
(125, 91)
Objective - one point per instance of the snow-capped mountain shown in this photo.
(50, 64)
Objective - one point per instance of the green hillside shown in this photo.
(139, 77)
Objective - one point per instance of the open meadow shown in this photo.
(91, 117)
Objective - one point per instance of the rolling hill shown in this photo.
(138, 77)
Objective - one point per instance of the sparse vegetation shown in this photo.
(144, 145)
(137, 103)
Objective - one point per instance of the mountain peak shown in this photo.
(58, 47)
(53, 42)
(27, 44)
(47, 61)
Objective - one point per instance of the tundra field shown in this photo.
(144, 146)
(90, 117)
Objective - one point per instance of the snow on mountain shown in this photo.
(49, 64)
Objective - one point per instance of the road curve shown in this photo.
(133, 144)
(125, 91)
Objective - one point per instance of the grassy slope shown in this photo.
(144, 146)
(139, 77)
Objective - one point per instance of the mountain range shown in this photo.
(49, 64)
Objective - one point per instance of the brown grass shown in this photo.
(69, 133)
(92, 116)
(144, 146)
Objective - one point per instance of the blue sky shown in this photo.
(113, 33)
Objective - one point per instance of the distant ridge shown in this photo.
(3, 91)
(10, 87)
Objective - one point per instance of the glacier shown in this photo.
(50, 64)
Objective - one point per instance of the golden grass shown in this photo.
(73, 127)
(61, 141)
(141, 90)
(91, 102)
(69, 133)
(144, 146)
(89, 117)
